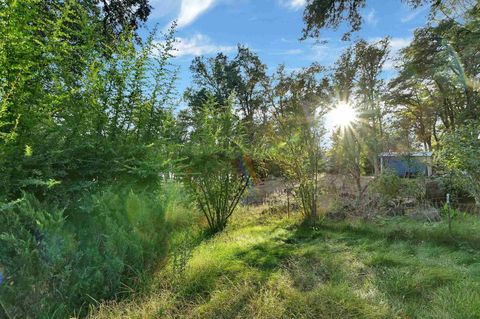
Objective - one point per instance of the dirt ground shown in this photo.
(260, 192)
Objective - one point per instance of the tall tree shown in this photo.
(370, 59)
(414, 112)
(357, 82)
(296, 140)
(249, 90)
(321, 14)
(436, 83)
(347, 142)
(241, 78)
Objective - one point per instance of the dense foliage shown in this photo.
(296, 134)
(460, 154)
(218, 166)
(71, 116)
(321, 14)
(103, 171)
(56, 263)
(79, 114)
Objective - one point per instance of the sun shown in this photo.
(342, 116)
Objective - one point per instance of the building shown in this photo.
(407, 164)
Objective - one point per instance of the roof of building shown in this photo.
(412, 154)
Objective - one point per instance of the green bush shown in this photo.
(459, 156)
(56, 262)
(390, 187)
(214, 171)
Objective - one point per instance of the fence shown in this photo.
(455, 203)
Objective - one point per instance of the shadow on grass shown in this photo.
(267, 256)
(463, 238)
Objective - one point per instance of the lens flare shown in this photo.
(246, 167)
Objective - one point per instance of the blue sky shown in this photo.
(272, 29)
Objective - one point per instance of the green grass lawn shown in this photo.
(264, 266)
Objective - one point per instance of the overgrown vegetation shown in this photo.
(52, 258)
(264, 266)
(218, 164)
(86, 129)
(296, 135)
(110, 183)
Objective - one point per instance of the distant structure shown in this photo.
(407, 164)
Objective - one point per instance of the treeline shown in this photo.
(431, 104)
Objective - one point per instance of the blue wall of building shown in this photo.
(405, 166)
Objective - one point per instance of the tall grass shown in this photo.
(57, 262)
(265, 266)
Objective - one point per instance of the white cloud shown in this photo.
(288, 52)
(293, 52)
(293, 4)
(371, 18)
(190, 10)
(396, 44)
(399, 43)
(285, 40)
(326, 53)
(413, 14)
(199, 44)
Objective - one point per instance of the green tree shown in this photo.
(460, 154)
(356, 82)
(321, 14)
(73, 122)
(370, 59)
(415, 112)
(242, 77)
(86, 118)
(296, 135)
(436, 90)
(217, 163)
(118, 15)
(347, 151)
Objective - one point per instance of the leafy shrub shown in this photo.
(448, 212)
(459, 155)
(390, 187)
(454, 183)
(216, 166)
(56, 261)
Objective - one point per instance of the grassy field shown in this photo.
(266, 266)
